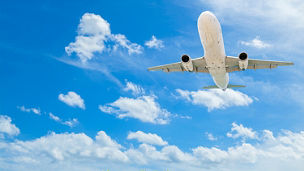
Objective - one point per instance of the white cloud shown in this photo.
(147, 154)
(122, 41)
(77, 151)
(173, 154)
(93, 34)
(272, 11)
(71, 123)
(93, 31)
(103, 139)
(213, 154)
(91, 24)
(144, 108)
(210, 137)
(135, 89)
(147, 138)
(185, 117)
(66, 146)
(34, 110)
(241, 131)
(257, 43)
(154, 43)
(6, 126)
(216, 99)
(55, 118)
(72, 99)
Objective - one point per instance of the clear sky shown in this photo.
(75, 93)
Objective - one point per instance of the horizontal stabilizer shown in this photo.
(211, 87)
(235, 86)
(229, 86)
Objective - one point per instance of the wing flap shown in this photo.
(168, 68)
(232, 64)
(199, 65)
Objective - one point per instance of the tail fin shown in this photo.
(229, 86)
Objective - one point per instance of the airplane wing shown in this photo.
(199, 65)
(232, 64)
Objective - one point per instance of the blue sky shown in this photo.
(75, 93)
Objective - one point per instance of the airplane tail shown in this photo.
(229, 86)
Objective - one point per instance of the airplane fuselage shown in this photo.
(211, 37)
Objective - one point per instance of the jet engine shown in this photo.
(187, 63)
(243, 62)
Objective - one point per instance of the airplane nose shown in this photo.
(206, 15)
(205, 19)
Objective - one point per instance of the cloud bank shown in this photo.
(78, 151)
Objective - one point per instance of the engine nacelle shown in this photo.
(187, 63)
(243, 62)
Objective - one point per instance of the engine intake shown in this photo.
(185, 58)
(243, 56)
(243, 62)
(187, 63)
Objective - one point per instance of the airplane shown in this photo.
(215, 62)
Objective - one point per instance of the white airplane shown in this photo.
(215, 60)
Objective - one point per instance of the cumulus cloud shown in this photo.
(6, 126)
(94, 36)
(213, 154)
(154, 43)
(147, 138)
(256, 42)
(71, 122)
(103, 139)
(241, 131)
(252, 156)
(28, 110)
(135, 89)
(144, 108)
(72, 99)
(77, 151)
(216, 99)
(66, 146)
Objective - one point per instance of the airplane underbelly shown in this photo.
(212, 40)
(221, 80)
